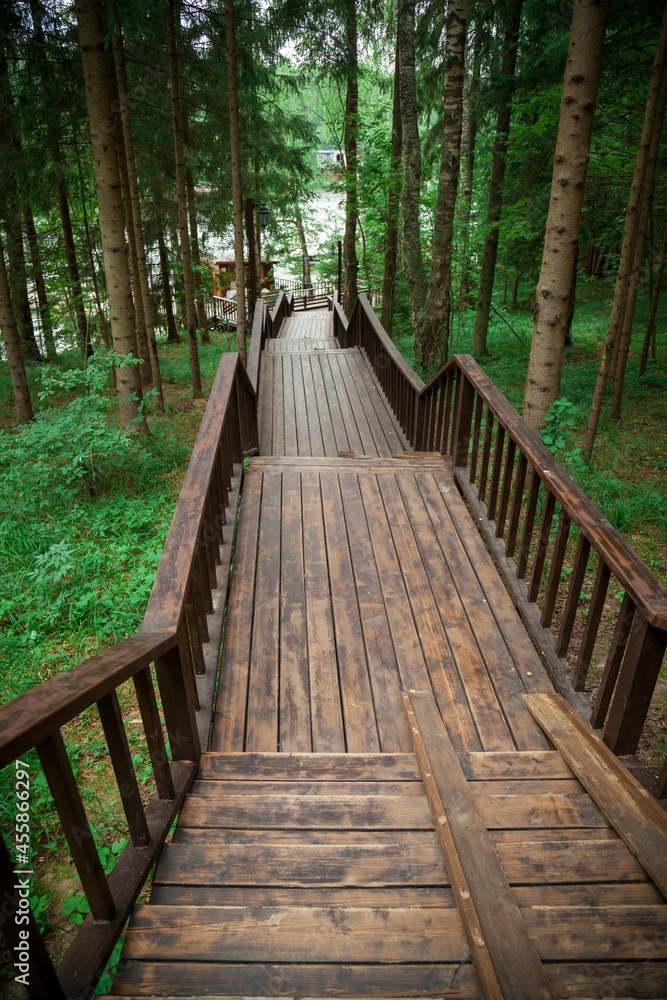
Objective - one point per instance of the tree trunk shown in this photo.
(40, 284)
(494, 210)
(629, 243)
(351, 130)
(70, 255)
(554, 295)
(655, 299)
(515, 292)
(619, 366)
(252, 255)
(194, 238)
(469, 141)
(434, 339)
(412, 165)
(12, 341)
(172, 332)
(237, 177)
(142, 289)
(18, 282)
(179, 155)
(301, 233)
(393, 208)
(92, 32)
(101, 317)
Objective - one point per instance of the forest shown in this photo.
(500, 183)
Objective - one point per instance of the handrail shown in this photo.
(266, 324)
(508, 477)
(173, 638)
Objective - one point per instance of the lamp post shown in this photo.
(254, 249)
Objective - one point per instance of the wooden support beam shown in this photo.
(505, 957)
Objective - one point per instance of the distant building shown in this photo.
(330, 159)
(224, 275)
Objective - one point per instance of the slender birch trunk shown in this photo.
(554, 297)
(179, 154)
(237, 178)
(92, 32)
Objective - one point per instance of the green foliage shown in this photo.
(558, 434)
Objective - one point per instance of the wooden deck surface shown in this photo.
(306, 861)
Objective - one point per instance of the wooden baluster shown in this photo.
(615, 655)
(446, 448)
(67, 798)
(437, 440)
(192, 621)
(528, 524)
(542, 546)
(486, 452)
(121, 760)
(507, 485)
(420, 417)
(519, 484)
(593, 617)
(556, 568)
(150, 717)
(476, 431)
(635, 686)
(179, 710)
(44, 984)
(465, 395)
(204, 600)
(209, 538)
(495, 472)
(573, 595)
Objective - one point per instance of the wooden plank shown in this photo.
(408, 519)
(380, 654)
(302, 417)
(521, 765)
(303, 786)
(325, 696)
(361, 733)
(526, 811)
(386, 419)
(289, 407)
(271, 934)
(230, 712)
(316, 441)
(278, 413)
(333, 406)
(635, 815)
(328, 811)
(324, 416)
(302, 865)
(308, 980)
(369, 445)
(560, 861)
(590, 933)
(294, 724)
(505, 957)
(266, 414)
(348, 420)
(362, 463)
(262, 717)
(314, 767)
(428, 516)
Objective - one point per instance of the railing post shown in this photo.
(465, 397)
(635, 686)
(179, 712)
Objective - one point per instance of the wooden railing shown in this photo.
(541, 528)
(177, 649)
(266, 324)
(220, 308)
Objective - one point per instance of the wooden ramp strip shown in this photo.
(505, 957)
(633, 813)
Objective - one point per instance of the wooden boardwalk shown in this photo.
(344, 838)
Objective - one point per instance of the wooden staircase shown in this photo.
(319, 875)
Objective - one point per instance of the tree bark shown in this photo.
(101, 316)
(40, 284)
(412, 165)
(172, 332)
(469, 142)
(554, 295)
(179, 155)
(18, 282)
(655, 299)
(142, 289)
(237, 177)
(12, 341)
(629, 242)
(494, 210)
(434, 339)
(351, 179)
(393, 207)
(643, 217)
(70, 254)
(194, 240)
(252, 255)
(92, 32)
(301, 233)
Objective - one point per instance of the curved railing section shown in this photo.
(561, 559)
(171, 664)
